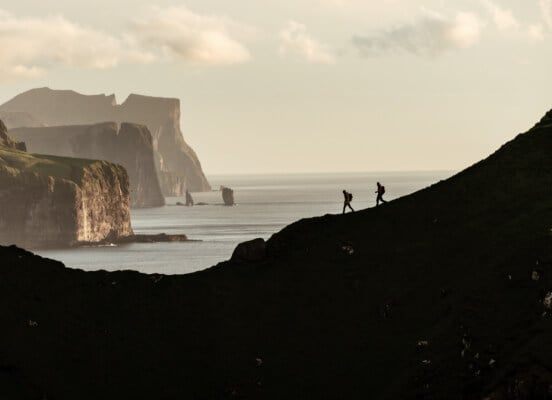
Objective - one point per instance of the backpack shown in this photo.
(382, 189)
(350, 196)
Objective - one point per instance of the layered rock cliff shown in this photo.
(131, 146)
(177, 164)
(53, 201)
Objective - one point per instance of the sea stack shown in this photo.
(48, 201)
(176, 163)
(227, 196)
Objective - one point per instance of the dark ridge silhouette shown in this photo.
(177, 164)
(437, 295)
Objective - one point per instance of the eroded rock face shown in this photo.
(131, 146)
(50, 201)
(227, 196)
(177, 164)
(7, 141)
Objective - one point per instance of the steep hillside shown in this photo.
(177, 164)
(443, 294)
(130, 146)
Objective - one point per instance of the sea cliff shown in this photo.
(55, 201)
(131, 146)
(177, 164)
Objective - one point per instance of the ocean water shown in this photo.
(265, 204)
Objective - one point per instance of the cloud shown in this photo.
(546, 10)
(181, 34)
(535, 32)
(432, 35)
(503, 19)
(295, 41)
(32, 46)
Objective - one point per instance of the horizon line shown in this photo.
(332, 172)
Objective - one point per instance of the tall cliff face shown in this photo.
(177, 164)
(53, 201)
(131, 146)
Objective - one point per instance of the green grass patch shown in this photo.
(58, 167)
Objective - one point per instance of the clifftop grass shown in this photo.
(71, 169)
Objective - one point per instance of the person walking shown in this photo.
(347, 202)
(380, 192)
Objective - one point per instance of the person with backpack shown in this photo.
(380, 192)
(347, 203)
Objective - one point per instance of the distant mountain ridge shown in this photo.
(177, 164)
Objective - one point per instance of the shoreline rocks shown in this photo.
(140, 238)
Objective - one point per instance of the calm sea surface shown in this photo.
(265, 204)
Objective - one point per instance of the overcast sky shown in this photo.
(301, 85)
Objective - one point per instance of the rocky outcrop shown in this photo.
(227, 196)
(7, 141)
(253, 250)
(177, 164)
(131, 146)
(50, 201)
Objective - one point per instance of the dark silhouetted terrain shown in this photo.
(437, 295)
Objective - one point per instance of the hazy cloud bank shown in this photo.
(546, 10)
(33, 45)
(431, 35)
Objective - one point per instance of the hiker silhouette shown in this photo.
(348, 197)
(380, 192)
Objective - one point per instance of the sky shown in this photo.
(291, 86)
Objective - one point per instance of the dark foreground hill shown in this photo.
(443, 294)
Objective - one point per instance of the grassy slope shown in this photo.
(453, 261)
(68, 168)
